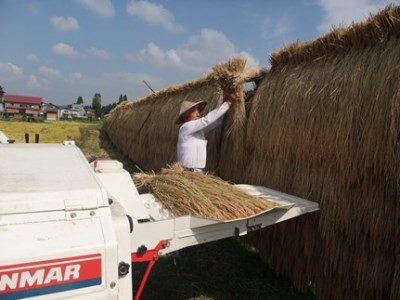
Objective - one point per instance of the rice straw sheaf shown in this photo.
(183, 192)
(327, 129)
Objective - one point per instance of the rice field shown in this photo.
(49, 131)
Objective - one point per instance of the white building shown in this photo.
(74, 111)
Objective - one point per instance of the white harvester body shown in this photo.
(71, 230)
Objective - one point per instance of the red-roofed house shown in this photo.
(18, 106)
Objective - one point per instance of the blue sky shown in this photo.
(63, 49)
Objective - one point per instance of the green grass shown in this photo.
(225, 269)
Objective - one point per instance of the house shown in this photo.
(20, 106)
(90, 113)
(73, 111)
(50, 111)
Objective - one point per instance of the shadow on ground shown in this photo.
(226, 269)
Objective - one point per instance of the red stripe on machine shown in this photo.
(46, 273)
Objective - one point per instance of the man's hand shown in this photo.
(233, 97)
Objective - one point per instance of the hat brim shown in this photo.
(201, 105)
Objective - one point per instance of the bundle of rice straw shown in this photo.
(183, 192)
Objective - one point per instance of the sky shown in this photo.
(63, 49)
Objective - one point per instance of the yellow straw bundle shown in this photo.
(183, 192)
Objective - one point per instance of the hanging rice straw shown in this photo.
(183, 192)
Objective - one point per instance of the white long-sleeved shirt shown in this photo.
(192, 143)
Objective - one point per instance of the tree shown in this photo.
(106, 109)
(122, 98)
(80, 100)
(96, 104)
(2, 92)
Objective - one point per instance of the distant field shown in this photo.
(49, 131)
(87, 135)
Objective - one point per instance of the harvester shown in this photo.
(74, 229)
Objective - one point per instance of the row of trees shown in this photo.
(98, 108)
(106, 109)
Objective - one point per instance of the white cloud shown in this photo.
(9, 72)
(251, 61)
(64, 24)
(98, 53)
(198, 54)
(64, 50)
(103, 8)
(34, 82)
(32, 57)
(49, 72)
(153, 13)
(76, 76)
(344, 12)
(110, 86)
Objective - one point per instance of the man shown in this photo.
(192, 143)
